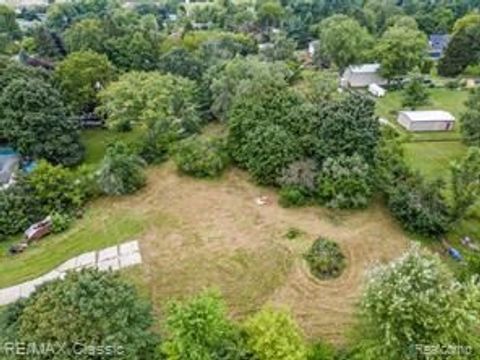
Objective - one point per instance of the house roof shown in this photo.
(433, 115)
(438, 41)
(364, 68)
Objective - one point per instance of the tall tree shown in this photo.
(415, 93)
(470, 120)
(400, 50)
(343, 40)
(81, 75)
(463, 50)
(413, 302)
(88, 34)
(36, 122)
(465, 175)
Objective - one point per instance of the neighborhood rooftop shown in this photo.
(430, 115)
(365, 68)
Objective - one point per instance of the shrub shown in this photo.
(321, 351)
(293, 233)
(415, 93)
(291, 196)
(46, 190)
(419, 206)
(60, 222)
(155, 144)
(344, 182)
(273, 335)
(200, 329)
(325, 259)
(201, 158)
(301, 174)
(121, 171)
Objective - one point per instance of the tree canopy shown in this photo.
(36, 123)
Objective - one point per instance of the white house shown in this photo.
(362, 76)
(436, 120)
(376, 90)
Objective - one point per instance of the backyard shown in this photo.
(195, 234)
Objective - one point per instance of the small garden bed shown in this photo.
(325, 259)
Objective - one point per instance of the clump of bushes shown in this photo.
(60, 222)
(325, 259)
(46, 190)
(344, 182)
(292, 196)
(203, 158)
(121, 171)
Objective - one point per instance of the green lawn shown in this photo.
(99, 228)
(97, 140)
(432, 158)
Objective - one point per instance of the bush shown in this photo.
(60, 222)
(89, 308)
(121, 171)
(419, 206)
(321, 351)
(301, 174)
(291, 196)
(344, 182)
(325, 259)
(273, 335)
(155, 145)
(48, 189)
(201, 158)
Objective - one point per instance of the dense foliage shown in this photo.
(470, 120)
(325, 259)
(415, 300)
(148, 97)
(272, 334)
(344, 182)
(201, 157)
(88, 311)
(36, 123)
(415, 93)
(200, 329)
(81, 75)
(48, 189)
(121, 171)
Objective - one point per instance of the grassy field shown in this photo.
(195, 234)
(432, 159)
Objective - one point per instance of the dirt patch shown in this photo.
(213, 234)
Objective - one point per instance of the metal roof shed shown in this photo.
(436, 120)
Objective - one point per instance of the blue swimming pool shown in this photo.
(7, 151)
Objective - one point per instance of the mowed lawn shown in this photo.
(433, 158)
(196, 234)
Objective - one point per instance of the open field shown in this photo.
(196, 234)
